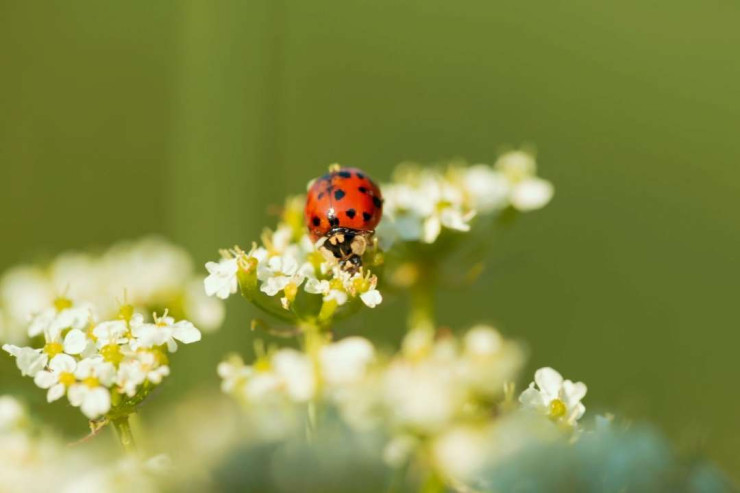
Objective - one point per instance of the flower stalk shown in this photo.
(125, 435)
(421, 312)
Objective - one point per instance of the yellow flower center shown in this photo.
(91, 382)
(62, 303)
(557, 409)
(53, 348)
(262, 364)
(361, 284)
(112, 353)
(66, 378)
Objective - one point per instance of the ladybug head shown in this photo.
(345, 246)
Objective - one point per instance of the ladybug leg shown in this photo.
(358, 245)
(351, 264)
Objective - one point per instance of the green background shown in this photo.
(190, 119)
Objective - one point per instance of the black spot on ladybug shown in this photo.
(321, 195)
(360, 175)
(316, 221)
(378, 203)
(345, 174)
(333, 221)
(339, 194)
(366, 216)
(362, 189)
(350, 213)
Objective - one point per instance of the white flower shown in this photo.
(422, 396)
(279, 271)
(221, 281)
(164, 331)
(58, 377)
(134, 372)
(526, 191)
(315, 286)
(111, 332)
(91, 394)
(51, 322)
(559, 399)
(28, 360)
(449, 217)
(346, 361)
(296, 372)
(461, 451)
(487, 189)
(233, 373)
(336, 295)
(12, 413)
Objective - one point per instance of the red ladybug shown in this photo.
(343, 207)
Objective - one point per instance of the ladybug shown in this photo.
(343, 207)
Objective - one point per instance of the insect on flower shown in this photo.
(343, 207)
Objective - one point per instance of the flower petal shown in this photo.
(185, 332)
(75, 342)
(549, 382)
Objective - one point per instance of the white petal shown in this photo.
(55, 392)
(75, 342)
(185, 332)
(532, 194)
(432, 228)
(297, 372)
(454, 219)
(576, 413)
(371, 298)
(532, 399)
(96, 403)
(76, 393)
(222, 280)
(62, 362)
(30, 361)
(274, 285)
(346, 360)
(339, 296)
(45, 379)
(149, 335)
(573, 392)
(314, 286)
(549, 381)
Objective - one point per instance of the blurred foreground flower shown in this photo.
(152, 273)
(32, 460)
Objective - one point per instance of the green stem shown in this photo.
(313, 339)
(125, 436)
(421, 315)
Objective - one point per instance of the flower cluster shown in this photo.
(149, 273)
(286, 276)
(34, 460)
(439, 393)
(105, 368)
(422, 202)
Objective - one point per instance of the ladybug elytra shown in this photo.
(343, 207)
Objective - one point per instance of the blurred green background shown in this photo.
(191, 119)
